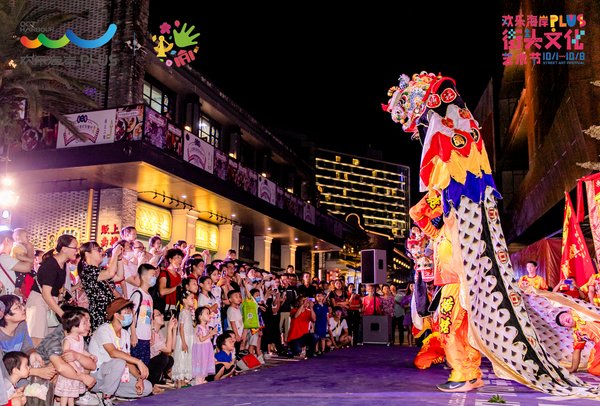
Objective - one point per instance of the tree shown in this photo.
(33, 88)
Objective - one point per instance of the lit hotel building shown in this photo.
(377, 191)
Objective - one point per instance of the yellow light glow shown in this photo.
(151, 220)
(207, 235)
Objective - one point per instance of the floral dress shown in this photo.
(99, 294)
(387, 304)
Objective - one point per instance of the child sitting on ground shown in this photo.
(17, 365)
(224, 359)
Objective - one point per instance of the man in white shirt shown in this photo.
(10, 265)
(118, 372)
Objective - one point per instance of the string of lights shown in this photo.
(171, 199)
(219, 217)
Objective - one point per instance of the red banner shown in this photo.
(593, 198)
(575, 260)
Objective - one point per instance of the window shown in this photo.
(209, 130)
(158, 99)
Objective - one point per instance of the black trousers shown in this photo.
(158, 366)
(307, 340)
(398, 322)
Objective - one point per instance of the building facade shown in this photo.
(542, 110)
(373, 195)
(168, 152)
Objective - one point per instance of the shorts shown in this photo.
(36, 315)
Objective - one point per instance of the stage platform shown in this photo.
(364, 375)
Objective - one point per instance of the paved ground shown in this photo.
(371, 374)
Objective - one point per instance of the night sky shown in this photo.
(325, 73)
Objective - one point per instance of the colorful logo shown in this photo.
(181, 40)
(69, 36)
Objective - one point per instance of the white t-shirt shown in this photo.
(106, 335)
(235, 316)
(130, 268)
(8, 263)
(143, 328)
(337, 328)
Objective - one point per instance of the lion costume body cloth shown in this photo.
(485, 310)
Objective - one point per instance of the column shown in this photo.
(178, 226)
(191, 217)
(262, 251)
(229, 237)
(288, 256)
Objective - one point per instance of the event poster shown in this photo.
(155, 129)
(221, 164)
(130, 123)
(174, 141)
(198, 152)
(97, 127)
(266, 190)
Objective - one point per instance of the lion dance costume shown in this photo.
(481, 310)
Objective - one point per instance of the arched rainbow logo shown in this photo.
(69, 36)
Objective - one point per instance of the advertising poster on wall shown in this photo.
(130, 123)
(251, 182)
(155, 128)
(280, 201)
(174, 140)
(309, 213)
(198, 152)
(266, 190)
(98, 127)
(232, 170)
(221, 166)
(41, 137)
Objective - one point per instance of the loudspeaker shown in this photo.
(373, 265)
(376, 329)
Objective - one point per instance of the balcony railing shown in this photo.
(140, 123)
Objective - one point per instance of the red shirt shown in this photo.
(172, 281)
(299, 325)
(371, 305)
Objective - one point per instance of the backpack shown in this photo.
(159, 302)
(250, 314)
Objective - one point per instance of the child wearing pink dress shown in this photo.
(70, 389)
(203, 353)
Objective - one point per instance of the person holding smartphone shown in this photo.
(569, 287)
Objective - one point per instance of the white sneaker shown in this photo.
(87, 399)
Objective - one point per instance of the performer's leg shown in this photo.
(463, 358)
(594, 360)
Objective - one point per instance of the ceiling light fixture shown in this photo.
(184, 196)
(233, 215)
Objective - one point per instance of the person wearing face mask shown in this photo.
(96, 280)
(141, 328)
(118, 373)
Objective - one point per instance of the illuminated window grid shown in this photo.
(332, 198)
(359, 167)
(366, 216)
(397, 197)
(332, 203)
(400, 223)
(369, 176)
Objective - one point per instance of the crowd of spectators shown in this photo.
(87, 325)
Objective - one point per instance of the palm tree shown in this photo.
(34, 88)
